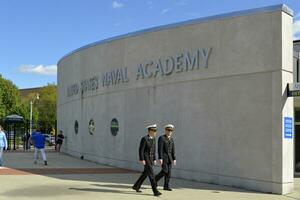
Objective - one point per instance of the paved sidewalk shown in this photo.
(69, 178)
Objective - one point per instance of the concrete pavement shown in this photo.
(71, 178)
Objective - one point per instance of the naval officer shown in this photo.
(147, 158)
(166, 155)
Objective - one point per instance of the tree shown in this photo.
(2, 107)
(23, 110)
(44, 109)
(46, 106)
(9, 97)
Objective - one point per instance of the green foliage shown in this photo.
(9, 97)
(47, 107)
(23, 110)
(2, 107)
(43, 109)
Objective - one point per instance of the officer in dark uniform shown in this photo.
(166, 155)
(147, 158)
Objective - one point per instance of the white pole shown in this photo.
(30, 125)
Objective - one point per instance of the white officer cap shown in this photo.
(171, 126)
(154, 126)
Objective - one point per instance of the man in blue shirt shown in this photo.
(38, 140)
(3, 143)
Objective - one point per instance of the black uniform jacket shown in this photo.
(166, 149)
(147, 150)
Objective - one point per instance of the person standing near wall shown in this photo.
(166, 155)
(147, 158)
(27, 141)
(59, 141)
(3, 144)
(38, 140)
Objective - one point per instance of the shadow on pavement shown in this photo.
(108, 190)
(112, 181)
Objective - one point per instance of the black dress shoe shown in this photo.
(157, 193)
(168, 189)
(136, 189)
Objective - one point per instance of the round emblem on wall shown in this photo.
(76, 127)
(114, 127)
(91, 126)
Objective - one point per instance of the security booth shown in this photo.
(14, 128)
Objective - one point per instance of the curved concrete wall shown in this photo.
(219, 80)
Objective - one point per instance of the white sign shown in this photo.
(294, 86)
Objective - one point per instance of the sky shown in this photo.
(36, 34)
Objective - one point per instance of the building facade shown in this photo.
(296, 62)
(220, 80)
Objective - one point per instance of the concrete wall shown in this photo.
(228, 114)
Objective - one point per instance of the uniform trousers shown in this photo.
(148, 171)
(166, 172)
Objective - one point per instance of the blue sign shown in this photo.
(288, 127)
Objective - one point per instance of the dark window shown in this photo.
(91, 127)
(297, 115)
(114, 127)
(76, 127)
